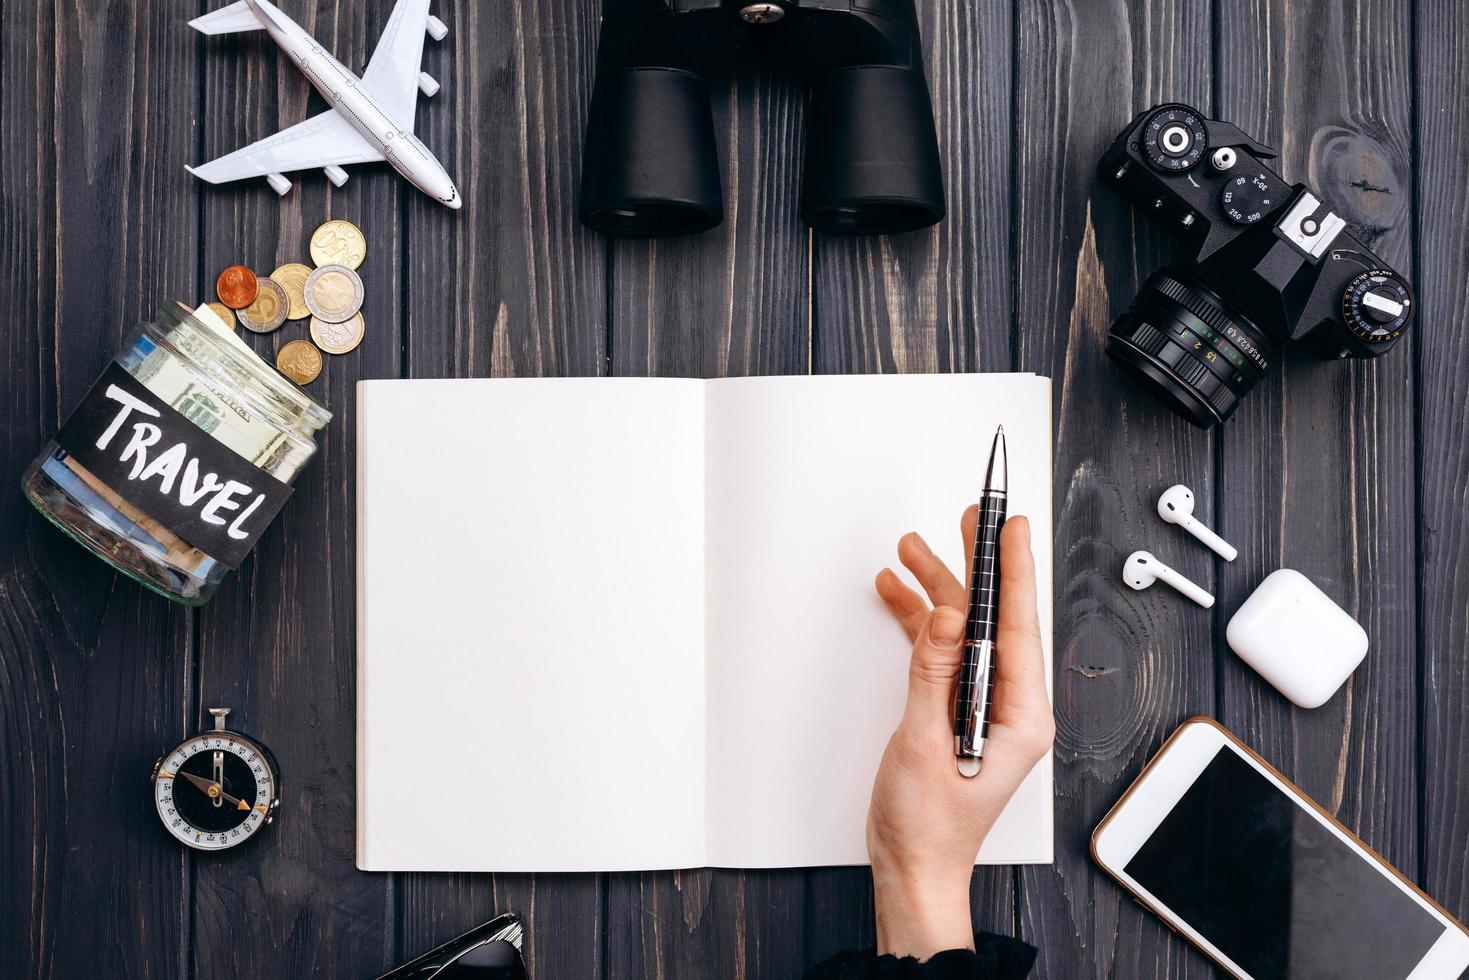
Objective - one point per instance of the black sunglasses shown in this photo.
(487, 952)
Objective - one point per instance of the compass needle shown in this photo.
(221, 767)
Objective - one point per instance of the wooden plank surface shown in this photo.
(277, 642)
(95, 672)
(1440, 147)
(1129, 666)
(1354, 473)
(1317, 467)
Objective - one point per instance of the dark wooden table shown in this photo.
(1354, 473)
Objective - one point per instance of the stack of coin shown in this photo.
(334, 291)
(330, 294)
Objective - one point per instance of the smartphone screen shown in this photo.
(1267, 883)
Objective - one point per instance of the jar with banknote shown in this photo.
(175, 462)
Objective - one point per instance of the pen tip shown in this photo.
(996, 476)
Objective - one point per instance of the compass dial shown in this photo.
(215, 790)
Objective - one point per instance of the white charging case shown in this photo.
(1297, 638)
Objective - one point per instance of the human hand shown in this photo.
(926, 821)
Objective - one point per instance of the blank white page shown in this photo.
(811, 481)
(530, 625)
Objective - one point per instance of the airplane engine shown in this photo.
(427, 85)
(437, 29)
(335, 174)
(278, 183)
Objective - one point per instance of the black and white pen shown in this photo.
(977, 672)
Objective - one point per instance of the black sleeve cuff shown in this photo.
(993, 958)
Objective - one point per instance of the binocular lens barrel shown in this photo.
(872, 159)
(650, 166)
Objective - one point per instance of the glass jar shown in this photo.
(207, 375)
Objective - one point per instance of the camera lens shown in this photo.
(1189, 347)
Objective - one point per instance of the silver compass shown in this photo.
(216, 789)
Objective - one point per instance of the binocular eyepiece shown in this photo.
(651, 167)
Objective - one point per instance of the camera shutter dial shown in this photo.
(1245, 200)
(1173, 140)
(1376, 306)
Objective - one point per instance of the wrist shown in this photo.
(920, 915)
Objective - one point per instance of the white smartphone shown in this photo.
(1237, 859)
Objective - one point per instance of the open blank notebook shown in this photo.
(629, 624)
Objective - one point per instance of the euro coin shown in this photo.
(338, 338)
(292, 278)
(333, 293)
(224, 313)
(236, 287)
(268, 311)
(299, 361)
(338, 242)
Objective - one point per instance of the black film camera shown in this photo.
(650, 166)
(1271, 264)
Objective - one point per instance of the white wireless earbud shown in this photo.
(1141, 570)
(1176, 506)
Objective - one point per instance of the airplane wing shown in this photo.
(392, 74)
(229, 19)
(323, 140)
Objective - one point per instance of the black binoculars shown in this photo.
(650, 167)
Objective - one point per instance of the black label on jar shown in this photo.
(170, 469)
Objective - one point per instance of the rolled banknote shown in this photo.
(200, 399)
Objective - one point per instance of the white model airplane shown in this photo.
(370, 119)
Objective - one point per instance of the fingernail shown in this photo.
(946, 628)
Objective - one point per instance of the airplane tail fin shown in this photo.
(230, 19)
